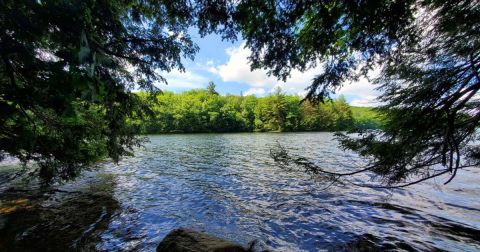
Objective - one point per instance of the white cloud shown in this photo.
(208, 66)
(366, 101)
(292, 87)
(182, 80)
(237, 69)
(176, 79)
(231, 50)
(363, 86)
(363, 91)
(255, 91)
(177, 35)
(212, 70)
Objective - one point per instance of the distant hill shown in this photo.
(366, 118)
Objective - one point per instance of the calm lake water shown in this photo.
(229, 186)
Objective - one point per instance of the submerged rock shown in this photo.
(68, 218)
(186, 240)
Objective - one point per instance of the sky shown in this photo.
(226, 64)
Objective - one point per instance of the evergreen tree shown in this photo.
(211, 88)
(67, 68)
(429, 55)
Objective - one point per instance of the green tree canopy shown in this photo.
(67, 69)
(201, 110)
(211, 88)
(429, 55)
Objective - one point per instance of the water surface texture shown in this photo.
(228, 185)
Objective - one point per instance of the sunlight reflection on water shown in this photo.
(227, 185)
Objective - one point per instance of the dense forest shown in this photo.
(204, 110)
(68, 69)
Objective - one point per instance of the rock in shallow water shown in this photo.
(186, 240)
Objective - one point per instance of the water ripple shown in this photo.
(227, 185)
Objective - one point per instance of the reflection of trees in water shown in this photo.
(56, 220)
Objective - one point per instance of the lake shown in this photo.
(229, 186)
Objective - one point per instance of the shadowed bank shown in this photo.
(54, 219)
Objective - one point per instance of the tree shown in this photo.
(200, 111)
(67, 68)
(294, 114)
(277, 110)
(248, 105)
(211, 88)
(344, 117)
(429, 55)
(66, 73)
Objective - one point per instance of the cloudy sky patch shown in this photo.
(227, 65)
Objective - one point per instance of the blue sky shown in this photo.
(226, 64)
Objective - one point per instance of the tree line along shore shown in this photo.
(204, 110)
